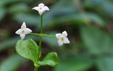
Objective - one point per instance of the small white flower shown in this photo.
(23, 31)
(41, 8)
(62, 38)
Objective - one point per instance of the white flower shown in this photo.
(23, 31)
(62, 38)
(41, 8)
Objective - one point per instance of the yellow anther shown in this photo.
(23, 31)
(40, 8)
(62, 38)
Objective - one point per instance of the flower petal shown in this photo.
(41, 5)
(41, 8)
(46, 8)
(64, 33)
(22, 36)
(60, 43)
(36, 8)
(19, 31)
(58, 35)
(27, 31)
(40, 12)
(23, 25)
(66, 41)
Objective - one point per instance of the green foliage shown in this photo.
(73, 64)
(53, 41)
(12, 41)
(28, 49)
(96, 2)
(2, 13)
(9, 42)
(105, 64)
(51, 59)
(86, 17)
(66, 15)
(108, 8)
(19, 8)
(29, 19)
(96, 41)
(11, 63)
(5, 2)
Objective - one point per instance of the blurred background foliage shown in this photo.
(88, 23)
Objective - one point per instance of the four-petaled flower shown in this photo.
(41, 8)
(23, 31)
(62, 38)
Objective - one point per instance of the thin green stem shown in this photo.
(35, 34)
(36, 68)
(41, 23)
(48, 35)
(42, 35)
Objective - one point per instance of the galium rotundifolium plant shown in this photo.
(30, 50)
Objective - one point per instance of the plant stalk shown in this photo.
(36, 68)
(40, 36)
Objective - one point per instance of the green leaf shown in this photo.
(74, 64)
(95, 3)
(11, 63)
(81, 18)
(51, 59)
(5, 2)
(2, 13)
(87, 17)
(108, 8)
(29, 19)
(105, 64)
(27, 49)
(96, 41)
(9, 42)
(19, 8)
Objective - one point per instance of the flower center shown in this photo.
(62, 38)
(40, 8)
(23, 31)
